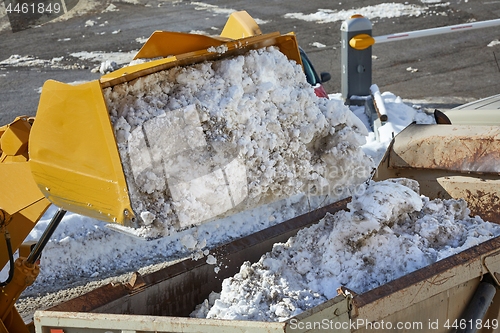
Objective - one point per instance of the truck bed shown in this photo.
(162, 301)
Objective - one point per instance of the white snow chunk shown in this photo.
(494, 43)
(147, 217)
(189, 241)
(211, 260)
(108, 66)
(111, 8)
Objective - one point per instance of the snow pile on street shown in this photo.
(109, 61)
(210, 139)
(389, 231)
(399, 114)
(17, 60)
(383, 10)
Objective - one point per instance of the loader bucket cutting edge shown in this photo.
(74, 156)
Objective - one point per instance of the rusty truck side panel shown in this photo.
(449, 161)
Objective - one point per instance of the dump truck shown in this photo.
(448, 161)
(446, 296)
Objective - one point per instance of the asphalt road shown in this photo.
(451, 69)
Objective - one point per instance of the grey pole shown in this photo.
(356, 64)
(477, 308)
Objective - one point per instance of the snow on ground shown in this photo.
(383, 10)
(212, 8)
(110, 61)
(80, 8)
(399, 114)
(318, 45)
(17, 60)
(389, 231)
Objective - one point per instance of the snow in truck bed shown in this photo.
(388, 232)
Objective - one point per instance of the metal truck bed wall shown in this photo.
(449, 161)
(427, 300)
(424, 299)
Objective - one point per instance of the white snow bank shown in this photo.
(383, 10)
(218, 137)
(399, 114)
(212, 8)
(389, 232)
(17, 60)
(101, 56)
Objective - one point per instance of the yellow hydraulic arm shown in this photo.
(21, 206)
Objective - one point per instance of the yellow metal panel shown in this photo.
(361, 41)
(18, 188)
(14, 141)
(168, 43)
(73, 154)
(129, 73)
(240, 25)
(287, 44)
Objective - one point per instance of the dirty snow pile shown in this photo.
(400, 115)
(217, 137)
(389, 231)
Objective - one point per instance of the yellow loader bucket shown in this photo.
(74, 156)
